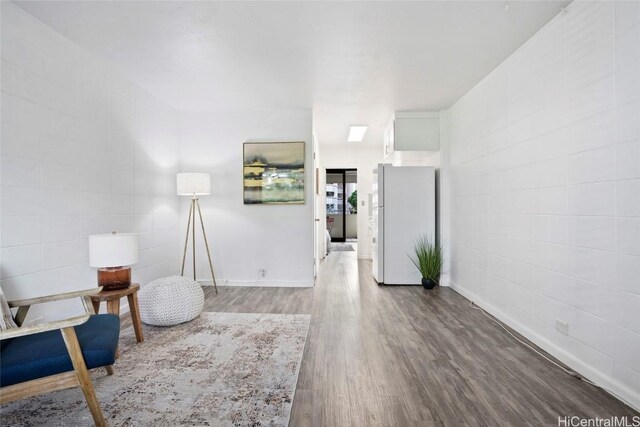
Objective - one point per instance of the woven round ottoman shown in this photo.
(170, 301)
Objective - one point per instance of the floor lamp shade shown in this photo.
(193, 184)
(112, 254)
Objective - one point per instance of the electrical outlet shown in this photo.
(262, 272)
(562, 327)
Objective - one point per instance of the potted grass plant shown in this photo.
(428, 259)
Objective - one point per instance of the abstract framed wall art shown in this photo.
(273, 173)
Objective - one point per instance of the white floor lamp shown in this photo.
(195, 184)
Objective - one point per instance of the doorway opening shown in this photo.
(342, 206)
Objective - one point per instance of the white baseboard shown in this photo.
(615, 388)
(261, 283)
(445, 280)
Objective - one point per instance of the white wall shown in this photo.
(247, 238)
(83, 151)
(365, 159)
(546, 191)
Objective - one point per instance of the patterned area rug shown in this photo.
(221, 369)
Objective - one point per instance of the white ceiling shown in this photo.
(352, 62)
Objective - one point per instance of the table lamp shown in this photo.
(113, 254)
(195, 184)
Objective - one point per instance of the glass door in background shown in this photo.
(341, 204)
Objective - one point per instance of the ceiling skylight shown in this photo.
(356, 133)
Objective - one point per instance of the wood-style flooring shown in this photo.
(404, 356)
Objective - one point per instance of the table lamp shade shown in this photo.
(193, 184)
(113, 250)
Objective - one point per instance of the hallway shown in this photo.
(405, 356)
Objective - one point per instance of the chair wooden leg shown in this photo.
(75, 353)
(109, 369)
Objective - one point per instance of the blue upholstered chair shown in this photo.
(57, 355)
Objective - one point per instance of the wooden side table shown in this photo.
(113, 306)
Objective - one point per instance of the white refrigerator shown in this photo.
(404, 208)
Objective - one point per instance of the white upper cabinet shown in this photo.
(413, 131)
